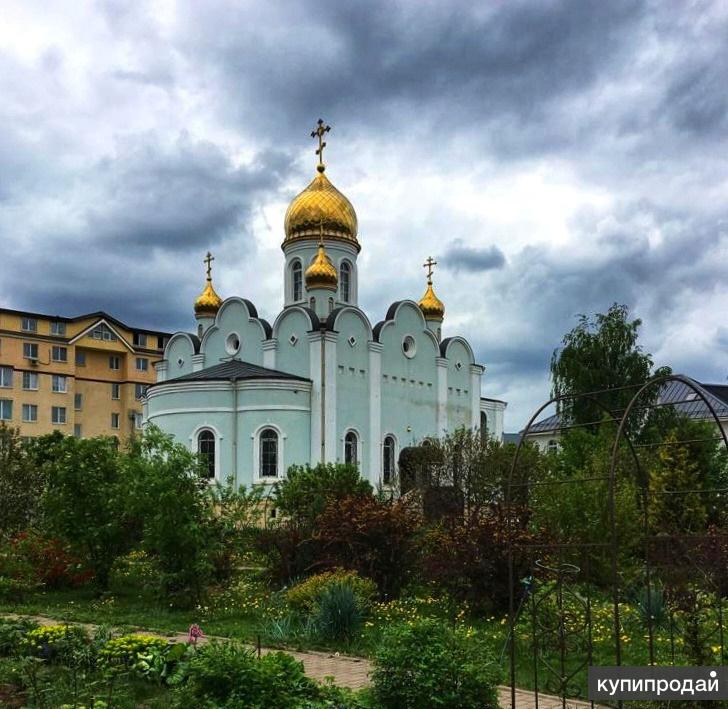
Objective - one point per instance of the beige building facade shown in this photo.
(83, 376)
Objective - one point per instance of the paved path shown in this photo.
(344, 670)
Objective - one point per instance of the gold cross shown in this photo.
(208, 260)
(430, 266)
(320, 130)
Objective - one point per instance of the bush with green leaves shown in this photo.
(305, 596)
(230, 675)
(55, 643)
(13, 633)
(339, 615)
(305, 491)
(86, 502)
(178, 522)
(426, 661)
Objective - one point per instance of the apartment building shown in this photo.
(83, 376)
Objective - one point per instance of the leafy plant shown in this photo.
(305, 596)
(419, 662)
(54, 642)
(305, 492)
(126, 651)
(230, 675)
(13, 633)
(339, 615)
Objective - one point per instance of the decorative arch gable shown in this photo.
(238, 318)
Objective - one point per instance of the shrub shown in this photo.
(53, 564)
(230, 675)
(374, 537)
(85, 502)
(305, 492)
(17, 575)
(54, 642)
(127, 649)
(339, 615)
(21, 483)
(418, 662)
(179, 526)
(304, 597)
(12, 634)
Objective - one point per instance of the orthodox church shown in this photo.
(321, 383)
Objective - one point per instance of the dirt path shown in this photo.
(344, 670)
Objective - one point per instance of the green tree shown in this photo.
(85, 502)
(305, 492)
(676, 504)
(602, 355)
(176, 511)
(21, 483)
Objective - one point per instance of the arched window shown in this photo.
(268, 453)
(483, 427)
(351, 446)
(297, 280)
(206, 449)
(388, 451)
(331, 305)
(312, 303)
(345, 281)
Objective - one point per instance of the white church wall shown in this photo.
(234, 324)
(292, 351)
(459, 400)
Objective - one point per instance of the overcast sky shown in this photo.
(554, 157)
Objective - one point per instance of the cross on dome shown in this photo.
(319, 132)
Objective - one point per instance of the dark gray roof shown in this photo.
(683, 398)
(235, 369)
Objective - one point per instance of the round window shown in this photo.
(408, 346)
(232, 344)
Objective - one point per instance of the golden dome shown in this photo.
(321, 203)
(321, 273)
(431, 306)
(208, 302)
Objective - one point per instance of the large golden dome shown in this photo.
(321, 204)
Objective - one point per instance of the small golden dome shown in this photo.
(431, 306)
(208, 302)
(321, 273)
(321, 203)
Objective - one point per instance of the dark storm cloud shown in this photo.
(459, 256)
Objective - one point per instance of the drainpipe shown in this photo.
(233, 384)
(323, 395)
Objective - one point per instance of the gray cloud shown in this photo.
(128, 151)
(459, 256)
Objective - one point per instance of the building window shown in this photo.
(6, 377)
(312, 303)
(30, 413)
(80, 359)
(114, 362)
(483, 427)
(59, 354)
(351, 446)
(161, 342)
(139, 390)
(331, 305)
(29, 325)
(388, 451)
(114, 420)
(138, 420)
(30, 381)
(58, 414)
(78, 401)
(58, 328)
(59, 384)
(268, 453)
(30, 350)
(297, 280)
(116, 391)
(142, 364)
(552, 446)
(77, 430)
(345, 281)
(6, 409)
(101, 332)
(140, 339)
(206, 449)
